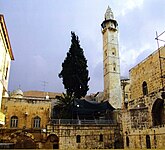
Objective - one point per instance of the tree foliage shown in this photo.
(64, 106)
(74, 70)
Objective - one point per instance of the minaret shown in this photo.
(112, 86)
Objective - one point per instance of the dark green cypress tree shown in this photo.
(74, 70)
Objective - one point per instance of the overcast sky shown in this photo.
(39, 32)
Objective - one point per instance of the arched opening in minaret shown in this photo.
(114, 66)
(105, 53)
(114, 51)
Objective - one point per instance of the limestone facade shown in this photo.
(26, 119)
(6, 56)
(29, 125)
(144, 116)
(84, 136)
(112, 87)
(149, 71)
(26, 110)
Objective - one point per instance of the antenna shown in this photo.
(44, 83)
(160, 57)
(158, 38)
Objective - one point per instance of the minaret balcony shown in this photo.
(104, 30)
(112, 29)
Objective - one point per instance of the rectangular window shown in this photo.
(6, 73)
(37, 121)
(78, 139)
(101, 138)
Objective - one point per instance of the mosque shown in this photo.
(135, 107)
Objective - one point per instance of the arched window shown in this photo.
(37, 121)
(114, 66)
(14, 122)
(78, 139)
(105, 53)
(105, 67)
(114, 51)
(101, 138)
(145, 88)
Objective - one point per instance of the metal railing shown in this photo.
(81, 122)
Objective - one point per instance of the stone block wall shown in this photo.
(141, 139)
(91, 136)
(144, 119)
(149, 71)
(26, 109)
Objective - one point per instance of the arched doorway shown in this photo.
(25, 143)
(52, 142)
(22, 141)
(127, 141)
(116, 144)
(148, 142)
(158, 112)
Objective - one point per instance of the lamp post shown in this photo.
(123, 84)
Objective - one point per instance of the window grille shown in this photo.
(14, 122)
(37, 121)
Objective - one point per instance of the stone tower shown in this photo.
(112, 86)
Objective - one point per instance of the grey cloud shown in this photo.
(40, 36)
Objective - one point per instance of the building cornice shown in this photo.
(5, 32)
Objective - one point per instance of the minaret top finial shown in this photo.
(109, 14)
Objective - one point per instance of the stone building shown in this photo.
(28, 115)
(144, 116)
(26, 119)
(83, 136)
(6, 56)
(29, 122)
(29, 125)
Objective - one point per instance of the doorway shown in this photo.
(55, 146)
(148, 142)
